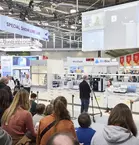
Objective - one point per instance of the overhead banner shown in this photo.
(18, 27)
(129, 60)
(122, 61)
(136, 59)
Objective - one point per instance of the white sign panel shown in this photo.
(6, 65)
(18, 27)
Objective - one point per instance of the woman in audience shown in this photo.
(4, 102)
(59, 121)
(33, 104)
(121, 129)
(17, 120)
(5, 138)
(49, 110)
(84, 132)
(39, 113)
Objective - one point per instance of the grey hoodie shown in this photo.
(114, 135)
(5, 138)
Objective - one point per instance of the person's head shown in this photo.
(121, 116)
(21, 99)
(40, 109)
(84, 120)
(85, 77)
(4, 99)
(27, 76)
(49, 109)
(62, 139)
(10, 78)
(33, 96)
(60, 109)
(4, 80)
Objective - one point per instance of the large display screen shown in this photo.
(115, 27)
(23, 61)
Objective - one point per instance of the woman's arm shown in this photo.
(29, 124)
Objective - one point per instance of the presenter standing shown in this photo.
(26, 82)
(85, 91)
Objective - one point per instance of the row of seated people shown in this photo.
(19, 126)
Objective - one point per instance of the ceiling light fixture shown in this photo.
(72, 11)
(63, 25)
(73, 27)
(1, 8)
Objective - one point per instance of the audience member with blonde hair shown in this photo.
(59, 121)
(17, 120)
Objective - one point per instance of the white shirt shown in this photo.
(26, 82)
(11, 84)
(37, 118)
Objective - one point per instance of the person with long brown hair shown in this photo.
(17, 120)
(121, 129)
(59, 121)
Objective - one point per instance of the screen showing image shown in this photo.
(76, 69)
(115, 27)
(23, 61)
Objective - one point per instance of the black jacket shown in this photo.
(8, 89)
(84, 90)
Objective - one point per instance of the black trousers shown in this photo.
(28, 89)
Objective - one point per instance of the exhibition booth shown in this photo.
(16, 66)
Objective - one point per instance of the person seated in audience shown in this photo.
(3, 85)
(62, 139)
(121, 129)
(5, 138)
(40, 108)
(84, 132)
(59, 121)
(4, 102)
(48, 110)
(33, 104)
(17, 120)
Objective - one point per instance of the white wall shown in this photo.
(65, 54)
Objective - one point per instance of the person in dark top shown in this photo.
(85, 91)
(4, 102)
(33, 103)
(3, 85)
(84, 132)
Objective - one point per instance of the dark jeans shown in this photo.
(85, 105)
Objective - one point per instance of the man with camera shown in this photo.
(85, 91)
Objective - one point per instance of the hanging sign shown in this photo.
(128, 60)
(18, 27)
(136, 59)
(122, 61)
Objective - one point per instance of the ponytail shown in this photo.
(60, 109)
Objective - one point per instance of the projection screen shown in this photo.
(115, 27)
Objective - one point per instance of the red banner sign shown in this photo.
(122, 61)
(135, 59)
(128, 60)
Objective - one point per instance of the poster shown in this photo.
(6, 66)
(122, 61)
(129, 60)
(136, 59)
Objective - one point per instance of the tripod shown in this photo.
(93, 113)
